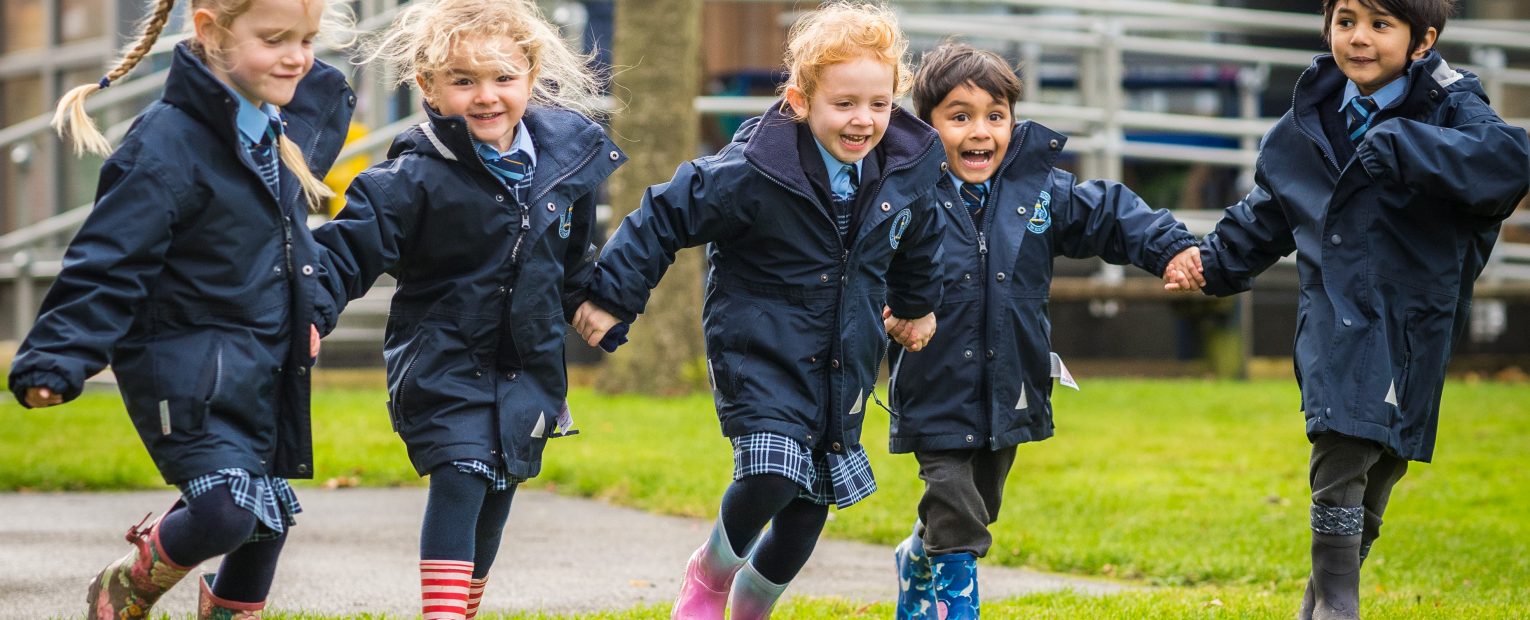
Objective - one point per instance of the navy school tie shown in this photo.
(845, 205)
(264, 153)
(1362, 112)
(974, 195)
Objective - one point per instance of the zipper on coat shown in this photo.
(844, 258)
(1325, 148)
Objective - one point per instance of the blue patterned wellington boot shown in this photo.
(956, 586)
(916, 584)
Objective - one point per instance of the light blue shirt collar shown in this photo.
(839, 180)
(522, 142)
(253, 121)
(1383, 96)
(958, 182)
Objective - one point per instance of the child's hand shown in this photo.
(313, 342)
(42, 397)
(592, 322)
(913, 334)
(1184, 272)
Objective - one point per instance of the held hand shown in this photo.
(1184, 272)
(920, 332)
(42, 397)
(313, 342)
(912, 334)
(592, 322)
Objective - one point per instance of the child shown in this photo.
(193, 278)
(1389, 178)
(818, 212)
(984, 384)
(485, 215)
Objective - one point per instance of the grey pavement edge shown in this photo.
(354, 550)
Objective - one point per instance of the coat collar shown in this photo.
(447, 137)
(1032, 146)
(770, 145)
(1426, 82)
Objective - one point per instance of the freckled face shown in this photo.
(851, 108)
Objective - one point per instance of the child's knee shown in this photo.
(222, 525)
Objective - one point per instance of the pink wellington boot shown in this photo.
(708, 578)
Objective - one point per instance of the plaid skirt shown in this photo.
(826, 478)
(498, 478)
(269, 498)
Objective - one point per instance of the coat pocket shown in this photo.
(402, 362)
(183, 406)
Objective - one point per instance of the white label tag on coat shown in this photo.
(1391, 398)
(164, 417)
(1060, 372)
(860, 401)
(565, 420)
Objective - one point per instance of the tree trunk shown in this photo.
(657, 52)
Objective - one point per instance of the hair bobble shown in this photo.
(105, 82)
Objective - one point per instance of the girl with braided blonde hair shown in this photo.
(194, 278)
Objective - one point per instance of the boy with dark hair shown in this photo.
(1389, 178)
(983, 383)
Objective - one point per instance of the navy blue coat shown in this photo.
(1388, 245)
(197, 283)
(792, 317)
(985, 379)
(462, 248)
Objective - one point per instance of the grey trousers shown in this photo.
(1348, 472)
(963, 490)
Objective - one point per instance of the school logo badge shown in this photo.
(899, 225)
(566, 222)
(1041, 214)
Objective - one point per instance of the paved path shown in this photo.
(354, 550)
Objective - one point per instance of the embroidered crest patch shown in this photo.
(1041, 214)
(899, 225)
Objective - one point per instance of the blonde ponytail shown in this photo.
(315, 192)
(70, 117)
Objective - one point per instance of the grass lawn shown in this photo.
(1197, 488)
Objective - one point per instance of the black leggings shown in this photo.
(459, 504)
(210, 525)
(795, 524)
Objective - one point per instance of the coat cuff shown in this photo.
(23, 381)
(909, 312)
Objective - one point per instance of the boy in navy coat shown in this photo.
(983, 384)
(1389, 178)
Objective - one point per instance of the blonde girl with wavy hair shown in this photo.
(820, 213)
(485, 216)
(193, 277)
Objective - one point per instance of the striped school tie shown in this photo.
(974, 195)
(1362, 111)
(516, 170)
(265, 156)
(845, 205)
